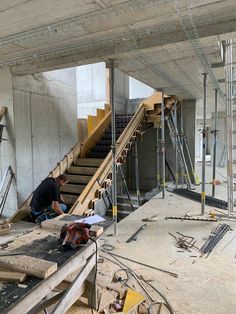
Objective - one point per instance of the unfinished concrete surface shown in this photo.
(149, 39)
(204, 285)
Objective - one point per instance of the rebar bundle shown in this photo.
(215, 236)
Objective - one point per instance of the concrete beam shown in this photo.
(102, 51)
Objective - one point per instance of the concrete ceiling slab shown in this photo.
(150, 39)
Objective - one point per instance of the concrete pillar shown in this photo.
(121, 91)
(7, 148)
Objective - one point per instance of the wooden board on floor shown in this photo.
(12, 276)
(30, 265)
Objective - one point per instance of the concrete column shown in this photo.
(7, 148)
(121, 91)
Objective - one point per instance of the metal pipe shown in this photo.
(214, 148)
(176, 150)
(203, 195)
(158, 159)
(162, 144)
(113, 145)
(190, 160)
(126, 187)
(229, 124)
(181, 135)
(137, 171)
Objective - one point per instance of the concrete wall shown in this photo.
(7, 148)
(138, 89)
(147, 151)
(45, 120)
(221, 137)
(91, 88)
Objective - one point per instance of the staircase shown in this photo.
(103, 147)
(89, 165)
(83, 169)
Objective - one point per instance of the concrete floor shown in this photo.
(204, 285)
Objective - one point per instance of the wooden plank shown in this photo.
(72, 178)
(53, 225)
(107, 298)
(107, 108)
(72, 188)
(10, 276)
(150, 102)
(82, 125)
(82, 170)
(71, 294)
(30, 265)
(92, 123)
(89, 162)
(3, 110)
(96, 135)
(41, 290)
(100, 114)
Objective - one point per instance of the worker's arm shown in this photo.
(56, 207)
(62, 199)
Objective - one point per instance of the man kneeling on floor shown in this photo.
(47, 202)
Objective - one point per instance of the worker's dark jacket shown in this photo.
(46, 193)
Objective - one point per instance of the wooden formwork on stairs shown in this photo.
(95, 175)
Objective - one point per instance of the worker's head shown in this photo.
(61, 180)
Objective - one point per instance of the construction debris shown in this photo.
(134, 236)
(143, 264)
(184, 242)
(132, 300)
(5, 228)
(11, 276)
(191, 218)
(215, 236)
(150, 219)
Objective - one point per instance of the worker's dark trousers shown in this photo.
(48, 213)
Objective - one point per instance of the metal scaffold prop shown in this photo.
(230, 126)
(110, 66)
(203, 195)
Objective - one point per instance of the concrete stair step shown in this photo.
(89, 162)
(78, 179)
(75, 189)
(82, 170)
